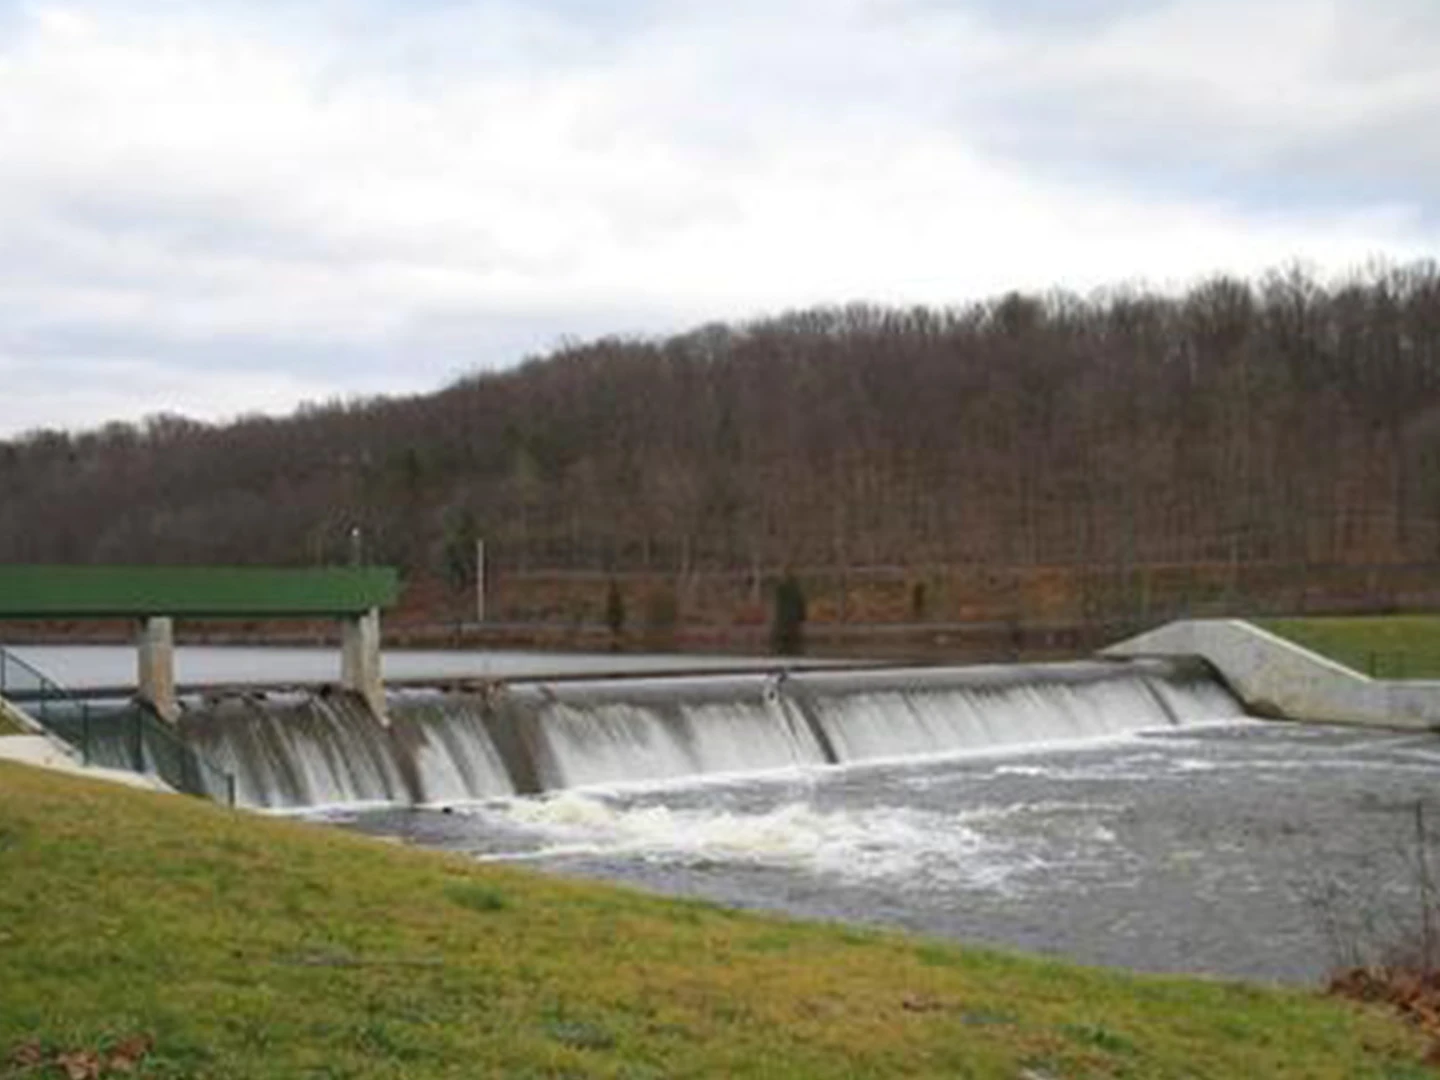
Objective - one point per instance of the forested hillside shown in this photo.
(1258, 437)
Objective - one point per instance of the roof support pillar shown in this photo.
(360, 659)
(156, 674)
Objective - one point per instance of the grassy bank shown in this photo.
(1388, 646)
(203, 942)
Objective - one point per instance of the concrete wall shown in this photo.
(44, 752)
(360, 660)
(1275, 677)
(155, 670)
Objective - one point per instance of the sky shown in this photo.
(230, 207)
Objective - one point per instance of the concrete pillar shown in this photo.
(360, 659)
(156, 673)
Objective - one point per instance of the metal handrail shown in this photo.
(130, 737)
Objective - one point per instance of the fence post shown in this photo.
(3, 658)
(137, 751)
(85, 733)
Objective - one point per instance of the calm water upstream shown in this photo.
(1191, 850)
(84, 667)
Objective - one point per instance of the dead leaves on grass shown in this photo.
(80, 1064)
(31, 1058)
(1414, 994)
(28, 1055)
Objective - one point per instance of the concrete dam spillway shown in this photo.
(305, 750)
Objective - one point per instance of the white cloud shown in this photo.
(89, 392)
(247, 206)
(1246, 89)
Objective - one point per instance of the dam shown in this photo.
(258, 727)
(1117, 811)
(305, 749)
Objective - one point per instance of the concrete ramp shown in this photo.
(13, 716)
(43, 752)
(1275, 677)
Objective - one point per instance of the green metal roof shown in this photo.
(46, 592)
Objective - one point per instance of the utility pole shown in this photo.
(480, 581)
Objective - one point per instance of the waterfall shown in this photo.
(926, 712)
(661, 729)
(447, 739)
(439, 747)
(290, 750)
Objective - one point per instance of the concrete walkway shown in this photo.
(44, 752)
(35, 746)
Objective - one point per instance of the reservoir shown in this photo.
(91, 667)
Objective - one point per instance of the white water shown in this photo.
(298, 751)
(1197, 702)
(454, 756)
(614, 743)
(870, 845)
(1196, 848)
(889, 725)
(442, 748)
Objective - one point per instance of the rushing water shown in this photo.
(311, 749)
(1201, 849)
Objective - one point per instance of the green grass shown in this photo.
(1386, 646)
(224, 944)
(10, 720)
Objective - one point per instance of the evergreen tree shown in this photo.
(787, 631)
(615, 611)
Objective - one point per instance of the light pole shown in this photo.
(480, 581)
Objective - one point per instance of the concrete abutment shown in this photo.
(1278, 678)
(360, 659)
(155, 674)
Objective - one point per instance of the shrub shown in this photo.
(787, 630)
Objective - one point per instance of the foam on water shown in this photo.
(878, 843)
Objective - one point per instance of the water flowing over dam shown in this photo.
(327, 749)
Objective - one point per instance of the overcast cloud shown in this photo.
(212, 209)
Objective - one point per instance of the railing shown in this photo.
(128, 736)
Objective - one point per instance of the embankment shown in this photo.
(192, 941)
